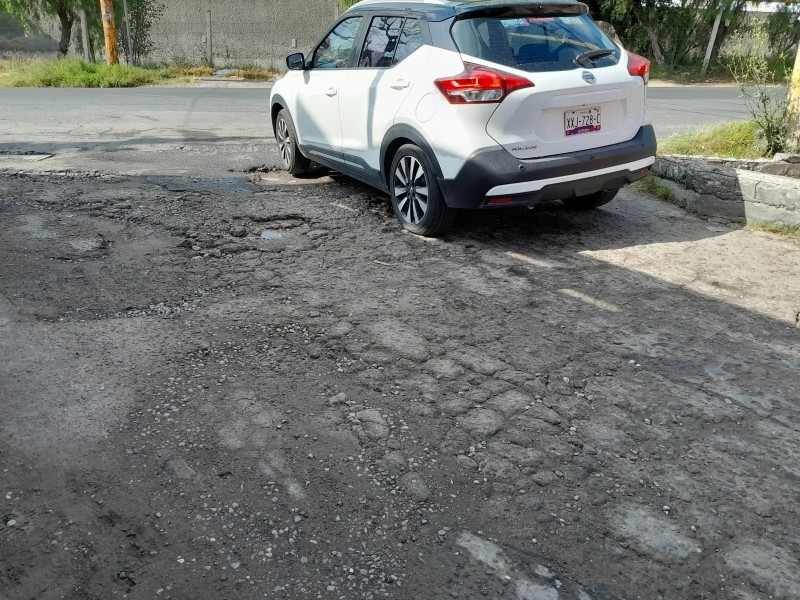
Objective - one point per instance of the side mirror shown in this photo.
(296, 62)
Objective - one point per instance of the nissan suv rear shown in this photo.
(450, 104)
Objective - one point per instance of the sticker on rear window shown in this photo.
(509, 23)
(570, 20)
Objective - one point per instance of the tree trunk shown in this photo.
(658, 57)
(67, 19)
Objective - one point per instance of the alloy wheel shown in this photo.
(284, 141)
(410, 185)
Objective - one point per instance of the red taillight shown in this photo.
(480, 85)
(501, 200)
(639, 65)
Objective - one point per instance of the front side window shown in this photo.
(390, 40)
(537, 43)
(334, 51)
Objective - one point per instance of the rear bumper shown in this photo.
(497, 174)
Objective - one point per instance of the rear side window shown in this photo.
(536, 43)
(389, 40)
(410, 40)
(334, 51)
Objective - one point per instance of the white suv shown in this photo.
(448, 104)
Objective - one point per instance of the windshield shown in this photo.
(536, 43)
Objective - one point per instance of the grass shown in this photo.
(187, 71)
(650, 186)
(74, 73)
(739, 139)
(791, 232)
(255, 72)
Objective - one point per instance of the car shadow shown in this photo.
(617, 225)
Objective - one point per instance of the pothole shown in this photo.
(288, 221)
(221, 186)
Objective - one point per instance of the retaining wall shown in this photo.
(734, 189)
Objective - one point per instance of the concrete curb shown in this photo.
(734, 189)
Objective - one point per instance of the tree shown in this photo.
(37, 12)
(672, 32)
(783, 29)
(142, 15)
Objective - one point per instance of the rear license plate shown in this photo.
(582, 121)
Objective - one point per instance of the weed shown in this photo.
(255, 72)
(791, 232)
(74, 73)
(757, 77)
(18, 72)
(650, 186)
(189, 70)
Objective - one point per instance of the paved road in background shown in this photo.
(218, 129)
(682, 109)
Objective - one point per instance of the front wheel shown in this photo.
(416, 198)
(590, 201)
(291, 157)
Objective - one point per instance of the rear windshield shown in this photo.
(536, 43)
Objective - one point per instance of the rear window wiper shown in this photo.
(592, 55)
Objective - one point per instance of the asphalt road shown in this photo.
(96, 128)
(681, 109)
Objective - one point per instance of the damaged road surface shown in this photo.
(276, 393)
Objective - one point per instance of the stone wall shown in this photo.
(737, 190)
(260, 32)
(13, 38)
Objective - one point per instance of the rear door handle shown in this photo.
(331, 92)
(401, 84)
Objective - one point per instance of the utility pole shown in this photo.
(128, 32)
(109, 31)
(794, 103)
(209, 45)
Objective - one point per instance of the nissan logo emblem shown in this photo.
(588, 77)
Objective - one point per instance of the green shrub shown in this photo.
(73, 73)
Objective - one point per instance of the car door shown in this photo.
(389, 58)
(316, 110)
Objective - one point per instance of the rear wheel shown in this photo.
(590, 201)
(416, 198)
(291, 157)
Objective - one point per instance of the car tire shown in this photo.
(291, 157)
(591, 200)
(417, 200)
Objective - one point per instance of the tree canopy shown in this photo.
(677, 32)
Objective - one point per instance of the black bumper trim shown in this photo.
(487, 169)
